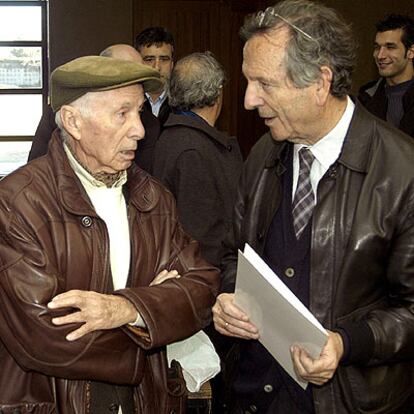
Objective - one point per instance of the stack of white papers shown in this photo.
(280, 316)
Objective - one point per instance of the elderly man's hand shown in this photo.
(96, 311)
(321, 370)
(230, 320)
(163, 276)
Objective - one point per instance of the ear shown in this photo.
(410, 52)
(323, 85)
(219, 103)
(71, 121)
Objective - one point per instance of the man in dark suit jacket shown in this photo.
(156, 46)
(144, 153)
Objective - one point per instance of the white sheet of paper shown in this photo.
(280, 316)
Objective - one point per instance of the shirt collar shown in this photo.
(87, 178)
(160, 99)
(328, 148)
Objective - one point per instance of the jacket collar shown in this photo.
(72, 195)
(358, 140)
(141, 189)
(378, 85)
(276, 156)
(194, 123)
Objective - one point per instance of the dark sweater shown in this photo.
(373, 96)
(289, 259)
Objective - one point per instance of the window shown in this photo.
(23, 77)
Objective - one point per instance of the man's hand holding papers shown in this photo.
(321, 370)
(232, 321)
(263, 308)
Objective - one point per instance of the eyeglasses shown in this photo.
(262, 15)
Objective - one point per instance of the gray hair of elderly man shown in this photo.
(82, 104)
(318, 37)
(196, 82)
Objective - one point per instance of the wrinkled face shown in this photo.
(160, 58)
(286, 109)
(394, 62)
(110, 130)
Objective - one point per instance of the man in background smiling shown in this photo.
(392, 96)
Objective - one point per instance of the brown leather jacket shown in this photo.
(51, 241)
(362, 258)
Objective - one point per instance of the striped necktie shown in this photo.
(304, 199)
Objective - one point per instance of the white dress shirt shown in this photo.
(326, 151)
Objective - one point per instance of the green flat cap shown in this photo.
(98, 73)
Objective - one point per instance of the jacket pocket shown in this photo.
(377, 389)
(163, 389)
(176, 389)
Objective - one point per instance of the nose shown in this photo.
(157, 64)
(137, 130)
(252, 99)
(381, 53)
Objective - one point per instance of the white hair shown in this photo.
(83, 105)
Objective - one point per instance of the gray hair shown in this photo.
(318, 37)
(82, 104)
(195, 82)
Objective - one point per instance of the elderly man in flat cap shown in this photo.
(96, 273)
(144, 154)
